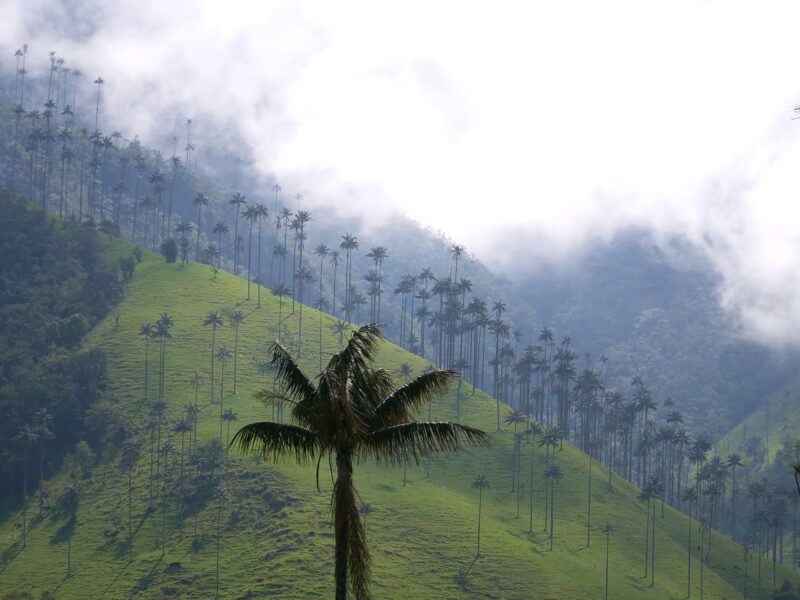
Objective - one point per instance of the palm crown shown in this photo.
(353, 413)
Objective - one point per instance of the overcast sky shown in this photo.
(546, 123)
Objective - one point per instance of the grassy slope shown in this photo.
(777, 418)
(420, 535)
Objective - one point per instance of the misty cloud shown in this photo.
(520, 129)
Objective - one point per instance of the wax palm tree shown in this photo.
(321, 305)
(43, 421)
(553, 475)
(214, 319)
(68, 506)
(200, 201)
(608, 530)
(251, 215)
(130, 456)
(339, 328)
(534, 429)
(26, 438)
(461, 365)
(163, 325)
(236, 200)
(349, 243)
(261, 214)
(228, 417)
(235, 318)
(378, 254)
(147, 331)
(334, 262)
(281, 291)
(480, 483)
(365, 510)
(352, 414)
(322, 251)
(222, 356)
(734, 460)
(303, 276)
(220, 229)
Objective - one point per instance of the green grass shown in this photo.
(281, 545)
(775, 420)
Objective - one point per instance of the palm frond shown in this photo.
(289, 373)
(412, 441)
(359, 351)
(268, 398)
(368, 388)
(276, 440)
(398, 407)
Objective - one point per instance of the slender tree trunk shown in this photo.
(608, 543)
(344, 508)
(480, 507)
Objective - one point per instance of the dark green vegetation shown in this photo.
(56, 283)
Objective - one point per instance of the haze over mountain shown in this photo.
(552, 125)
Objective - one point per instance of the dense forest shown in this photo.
(82, 207)
(56, 284)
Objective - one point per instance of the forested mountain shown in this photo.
(646, 312)
(169, 512)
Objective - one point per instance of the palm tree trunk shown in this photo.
(608, 542)
(480, 507)
(344, 508)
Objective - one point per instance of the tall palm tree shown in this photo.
(334, 262)
(348, 244)
(261, 214)
(353, 413)
(302, 276)
(26, 438)
(130, 456)
(480, 483)
(68, 505)
(222, 356)
(553, 475)
(281, 291)
(214, 319)
(251, 214)
(378, 254)
(220, 229)
(608, 530)
(235, 318)
(163, 325)
(734, 460)
(365, 510)
(228, 417)
(236, 200)
(43, 420)
(200, 201)
(147, 331)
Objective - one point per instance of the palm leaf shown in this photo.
(290, 375)
(399, 405)
(368, 388)
(412, 441)
(276, 440)
(359, 351)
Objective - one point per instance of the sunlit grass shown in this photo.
(279, 542)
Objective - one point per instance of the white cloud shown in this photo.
(552, 122)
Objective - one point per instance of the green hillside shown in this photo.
(766, 432)
(276, 536)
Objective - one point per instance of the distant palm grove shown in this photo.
(58, 156)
